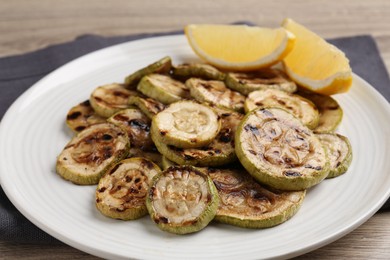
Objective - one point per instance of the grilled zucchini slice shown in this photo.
(219, 152)
(108, 99)
(299, 106)
(279, 151)
(148, 106)
(215, 92)
(331, 113)
(162, 66)
(137, 126)
(339, 152)
(197, 70)
(163, 88)
(245, 203)
(151, 155)
(246, 82)
(81, 116)
(182, 200)
(121, 192)
(186, 124)
(91, 152)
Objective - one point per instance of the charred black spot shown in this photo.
(98, 200)
(139, 124)
(210, 153)
(120, 94)
(252, 152)
(205, 85)
(128, 179)
(217, 151)
(98, 99)
(174, 148)
(281, 102)
(225, 115)
(107, 137)
(163, 220)
(292, 174)
(102, 189)
(267, 113)
(80, 128)
(338, 164)
(107, 152)
(73, 115)
(86, 103)
(147, 163)
(120, 117)
(225, 135)
(308, 166)
(163, 133)
(115, 168)
(137, 180)
(188, 157)
(64, 158)
(252, 128)
(259, 103)
(194, 140)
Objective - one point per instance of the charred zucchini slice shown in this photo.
(91, 152)
(162, 66)
(186, 124)
(219, 152)
(262, 79)
(299, 106)
(331, 114)
(279, 151)
(215, 92)
(339, 152)
(137, 126)
(81, 116)
(108, 99)
(182, 200)
(148, 106)
(197, 70)
(151, 155)
(121, 192)
(245, 203)
(163, 88)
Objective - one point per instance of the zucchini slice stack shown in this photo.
(194, 121)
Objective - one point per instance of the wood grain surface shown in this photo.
(27, 25)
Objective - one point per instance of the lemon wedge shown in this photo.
(316, 64)
(239, 47)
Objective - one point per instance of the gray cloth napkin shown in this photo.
(18, 73)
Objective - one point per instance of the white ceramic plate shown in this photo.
(33, 132)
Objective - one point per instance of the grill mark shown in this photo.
(252, 128)
(137, 123)
(292, 174)
(114, 168)
(73, 115)
(120, 94)
(80, 128)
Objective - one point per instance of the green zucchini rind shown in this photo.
(279, 151)
(121, 192)
(246, 203)
(299, 106)
(197, 70)
(339, 152)
(81, 116)
(182, 200)
(166, 163)
(151, 155)
(108, 99)
(186, 124)
(162, 66)
(149, 106)
(219, 152)
(137, 126)
(331, 113)
(91, 152)
(163, 88)
(246, 82)
(215, 92)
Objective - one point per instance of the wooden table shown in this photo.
(27, 25)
